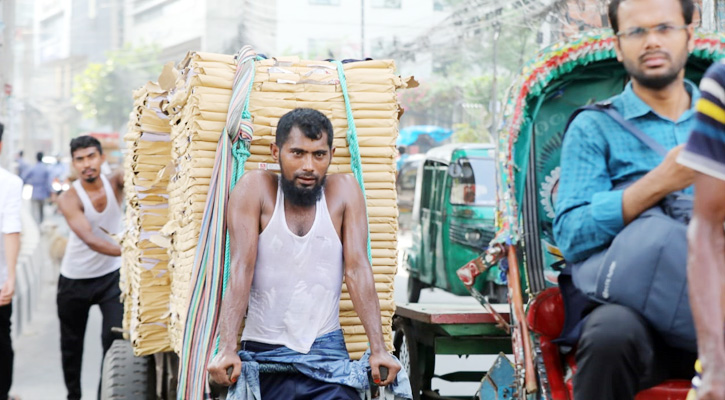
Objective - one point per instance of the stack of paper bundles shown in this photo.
(130, 253)
(146, 277)
(283, 84)
(198, 112)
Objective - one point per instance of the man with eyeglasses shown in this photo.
(618, 352)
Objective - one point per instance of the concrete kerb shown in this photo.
(27, 287)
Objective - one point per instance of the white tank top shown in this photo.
(295, 294)
(79, 261)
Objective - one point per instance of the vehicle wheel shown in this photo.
(406, 350)
(414, 288)
(124, 375)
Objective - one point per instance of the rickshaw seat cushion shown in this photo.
(545, 315)
(675, 389)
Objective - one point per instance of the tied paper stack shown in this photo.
(282, 84)
(145, 279)
(198, 112)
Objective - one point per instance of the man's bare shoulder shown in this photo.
(69, 200)
(343, 186)
(255, 184)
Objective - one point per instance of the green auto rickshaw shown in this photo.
(452, 219)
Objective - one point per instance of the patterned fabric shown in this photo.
(598, 158)
(327, 361)
(705, 150)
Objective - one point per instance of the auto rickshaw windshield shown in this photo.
(474, 184)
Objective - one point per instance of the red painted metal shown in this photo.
(546, 313)
(554, 370)
(669, 390)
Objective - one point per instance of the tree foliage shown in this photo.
(103, 91)
(461, 94)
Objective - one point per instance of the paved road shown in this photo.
(38, 374)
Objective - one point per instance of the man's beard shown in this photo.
(91, 178)
(302, 196)
(655, 82)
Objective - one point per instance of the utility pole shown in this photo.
(708, 16)
(6, 79)
(362, 29)
(494, 98)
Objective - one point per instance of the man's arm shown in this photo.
(70, 205)
(11, 238)
(359, 277)
(666, 178)
(12, 249)
(243, 216)
(706, 279)
(588, 208)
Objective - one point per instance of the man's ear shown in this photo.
(332, 152)
(618, 49)
(690, 38)
(274, 150)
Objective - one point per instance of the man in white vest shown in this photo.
(89, 271)
(293, 237)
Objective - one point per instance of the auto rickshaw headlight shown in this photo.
(473, 236)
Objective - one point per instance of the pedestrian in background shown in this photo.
(21, 167)
(39, 178)
(10, 202)
(89, 272)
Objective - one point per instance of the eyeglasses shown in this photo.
(638, 32)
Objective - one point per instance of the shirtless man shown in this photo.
(292, 237)
(89, 271)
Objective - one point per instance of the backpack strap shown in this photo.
(606, 107)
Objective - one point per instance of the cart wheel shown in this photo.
(124, 375)
(414, 288)
(406, 349)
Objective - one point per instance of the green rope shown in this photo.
(354, 146)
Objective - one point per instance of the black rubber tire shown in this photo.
(414, 288)
(407, 352)
(124, 375)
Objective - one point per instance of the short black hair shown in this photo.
(2, 129)
(311, 122)
(84, 142)
(688, 8)
(39, 156)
